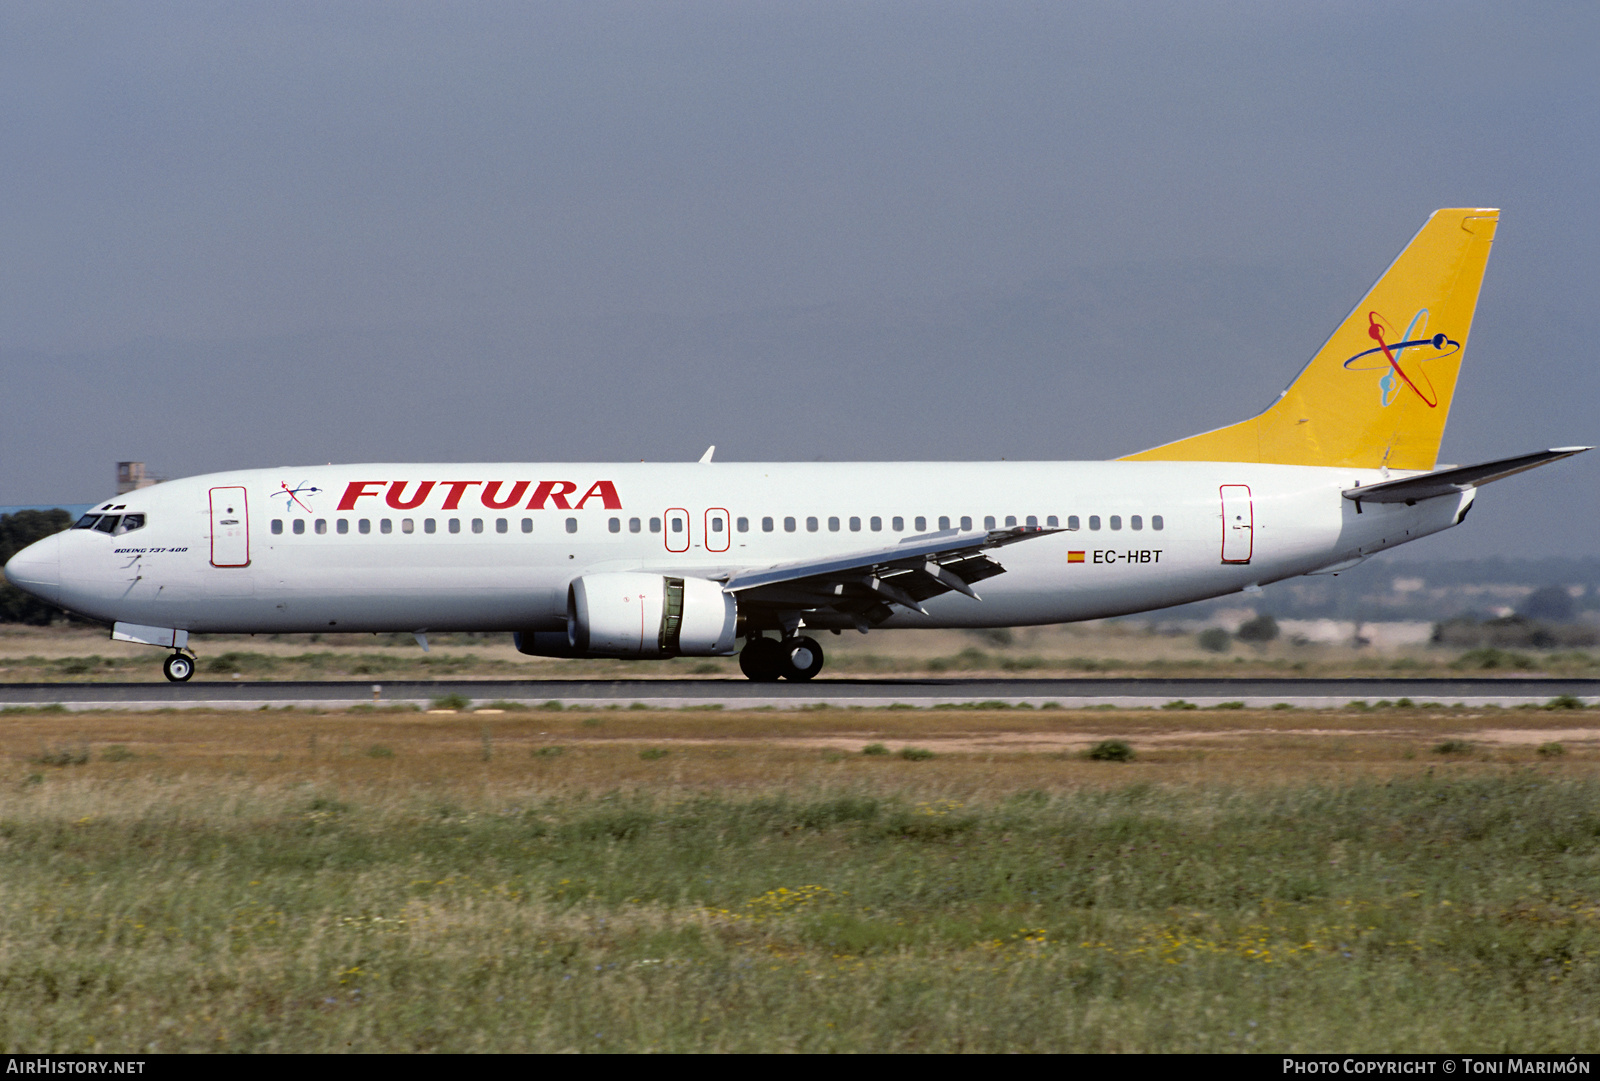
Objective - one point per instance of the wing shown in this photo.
(859, 588)
(1457, 480)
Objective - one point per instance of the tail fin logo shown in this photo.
(1401, 356)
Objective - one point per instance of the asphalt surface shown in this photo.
(743, 694)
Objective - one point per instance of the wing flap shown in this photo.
(863, 584)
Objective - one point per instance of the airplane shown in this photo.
(684, 559)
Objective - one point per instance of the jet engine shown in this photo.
(640, 615)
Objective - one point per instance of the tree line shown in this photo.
(17, 531)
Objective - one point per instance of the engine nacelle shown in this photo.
(641, 615)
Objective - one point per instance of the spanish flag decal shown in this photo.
(1074, 557)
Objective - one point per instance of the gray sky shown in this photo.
(240, 235)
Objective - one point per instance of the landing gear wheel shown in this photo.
(178, 668)
(801, 658)
(761, 660)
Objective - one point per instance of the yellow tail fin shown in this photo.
(1378, 392)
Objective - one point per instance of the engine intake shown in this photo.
(641, 615)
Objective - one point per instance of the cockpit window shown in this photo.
(115, 524)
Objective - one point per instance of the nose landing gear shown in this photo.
(766, 660)
(178, 667)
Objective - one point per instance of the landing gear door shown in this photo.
(1238, 524)
(230, 528)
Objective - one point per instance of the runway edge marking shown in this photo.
(744, 704)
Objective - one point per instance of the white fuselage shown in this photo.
(338, 548)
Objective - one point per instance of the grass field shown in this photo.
(1364, 879)
(78, 653)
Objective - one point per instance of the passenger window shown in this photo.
(527, 525)
(833, 525)
(1033, 521)
(343, 526)
(677, 523)
(716, 524)
(966, 522)
(1072, 521)
(572, 525)
(322, 526)
(1116, 521)
(743, 525)
(365, 525)
(429, 525)
(299, 526)
(766, 525)
(634, 525)
(615, 525)
(855, 525)
(477, 525)
(1094, 521)
(1156, 522)
(788, 525)
(944, 522)
(811, 525)
(897, 524)
(1011, 520)
(1136, 522)
(1053, 522)
(655, 525)
(876, 524)
(277, 526)
(385, 526)
(920, 525)
(408, 525)
(501, 525)
(988, 521)
(455, 525)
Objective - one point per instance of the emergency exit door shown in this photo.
(677, 534)
(1238, 524)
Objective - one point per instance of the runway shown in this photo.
(839, 694)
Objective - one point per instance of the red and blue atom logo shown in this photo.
(1401, 357)
(291, 496)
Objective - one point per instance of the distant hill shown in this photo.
(1419, 589)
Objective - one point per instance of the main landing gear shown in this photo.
(767, 660)
(178, 667)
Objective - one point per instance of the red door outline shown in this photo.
(716, 537)
(1238, 523)
(666, 528)
(230, 524)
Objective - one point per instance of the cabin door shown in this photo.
(1238, 524)
(230, 528)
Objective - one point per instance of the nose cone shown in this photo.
(37, 569)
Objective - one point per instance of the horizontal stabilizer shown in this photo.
(1457, 480)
